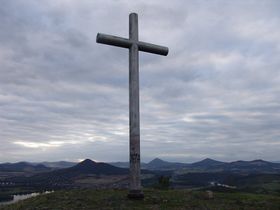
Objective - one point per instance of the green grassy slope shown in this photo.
(154, 199)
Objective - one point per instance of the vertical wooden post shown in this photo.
(135, 189)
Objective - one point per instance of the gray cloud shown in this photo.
(62, 96)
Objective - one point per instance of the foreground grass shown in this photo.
(154, 199)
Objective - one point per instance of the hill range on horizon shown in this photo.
(155, 164)
(257, 176)
(87, 172)
(68, 163)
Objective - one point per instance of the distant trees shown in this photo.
(163, 182)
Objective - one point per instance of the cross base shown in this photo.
(136, 195)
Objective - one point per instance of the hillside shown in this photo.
(67, 176)
(254, 166)
(23, 167)
(90, 167)
(58, 164)
(158, 164)
(262, 183)
(207, 165)
(247, 176)
(154, 199)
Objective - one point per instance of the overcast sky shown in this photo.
(64, 97)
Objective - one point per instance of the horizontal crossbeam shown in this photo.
(126, 43)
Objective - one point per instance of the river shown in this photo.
(17, 198)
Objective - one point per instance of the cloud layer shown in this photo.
(62, 96)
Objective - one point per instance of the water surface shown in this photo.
(17, 198)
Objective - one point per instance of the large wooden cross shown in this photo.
(134, 46)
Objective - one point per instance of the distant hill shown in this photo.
(90, 167)
(155, 164)
(158, 164)
(250, 176)
(120, 164)
(86, 169)
(253, 166)
(206, 165)
(209, 165)
(67, 176)
(59, 164)
(23, 167)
